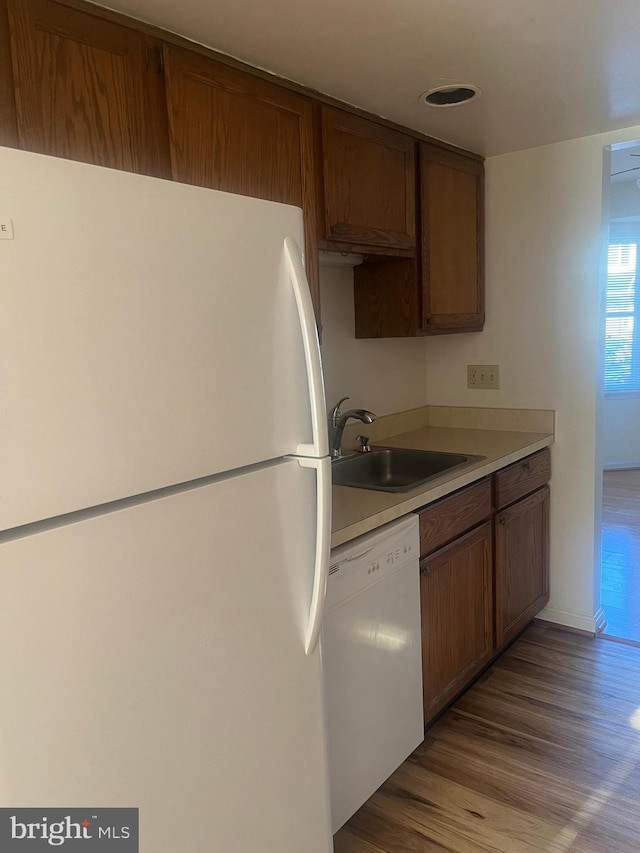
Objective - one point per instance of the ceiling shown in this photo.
(548, 69)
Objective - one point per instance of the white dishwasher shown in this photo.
(373, 662)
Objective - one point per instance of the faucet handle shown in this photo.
(364, 443)
(334, 414)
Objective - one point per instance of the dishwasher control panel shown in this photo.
(371, 557)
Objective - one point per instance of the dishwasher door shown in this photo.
(373, 662)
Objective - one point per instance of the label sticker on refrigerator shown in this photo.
(6, 228)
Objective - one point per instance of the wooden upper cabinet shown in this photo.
(442, 291)
(451, 204)
(86, 88)
(369, 183)
(8, 126)
(235, 132)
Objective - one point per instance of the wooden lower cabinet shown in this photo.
(521, 479)
(456, 596)
(483, 588)
(521, 564)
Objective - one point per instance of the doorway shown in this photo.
(620, 409)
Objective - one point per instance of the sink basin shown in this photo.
(395, 469)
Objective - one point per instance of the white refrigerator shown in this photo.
(164, 508)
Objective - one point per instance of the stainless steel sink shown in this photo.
(395, 469)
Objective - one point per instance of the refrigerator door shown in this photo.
(153, 657)
(152, 333)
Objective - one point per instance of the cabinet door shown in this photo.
(8, 127)
(522, 564)
(369, 182)
(457, 617)
(87, 89)
(234, 132)
(452, 202)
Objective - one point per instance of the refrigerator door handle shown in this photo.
(323, 548)
(306, 316)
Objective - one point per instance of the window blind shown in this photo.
(622, 325)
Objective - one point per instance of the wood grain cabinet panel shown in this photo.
(456, 596)
(87, 89)
(234, 132)
(520, 479)
(521, 564)
(441, 291)
(386, 298)
(369, 182)
(451, 205)
(8, 126)
(448, 518)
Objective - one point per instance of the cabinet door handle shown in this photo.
(526, 466)
(502, 520)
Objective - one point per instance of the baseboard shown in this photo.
(567, 629)
(622, 641)
(600, 620)
(576, 621)
(621, 466)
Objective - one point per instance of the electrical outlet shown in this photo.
(483, 376)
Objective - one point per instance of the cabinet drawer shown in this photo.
(522, 478)
(450, 517)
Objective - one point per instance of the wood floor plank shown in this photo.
(509, 782)
(620, 562)
(451, 805)
(349, 843)
(570, 723)
(542, 755)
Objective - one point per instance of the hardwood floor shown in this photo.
(620, 584)
(541, 755)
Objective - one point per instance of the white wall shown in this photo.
(621, 414)
(621, 431)
(543, 237)
(624, 199)
(387, 375)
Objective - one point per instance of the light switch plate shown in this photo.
(484, 377)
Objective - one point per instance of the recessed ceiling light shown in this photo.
(450, 96)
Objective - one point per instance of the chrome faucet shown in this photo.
(337, 423)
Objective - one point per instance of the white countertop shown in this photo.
(357, 511)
